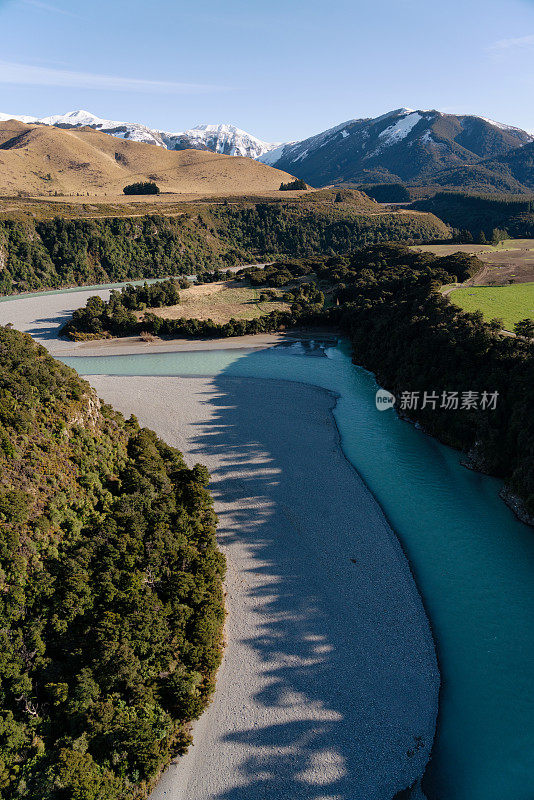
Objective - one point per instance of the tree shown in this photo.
(496, 325)
(143, 187)
(386, 192)
(111, 633)
(466, 237)
(295, 185)
(498, 235)
(525, 327)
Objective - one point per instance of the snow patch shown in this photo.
(274, 155)
(301, 156)
(400, 130)
(500, 125)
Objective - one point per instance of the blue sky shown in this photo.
(282, 70)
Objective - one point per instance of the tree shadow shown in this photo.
(47, 328)
(345, 701)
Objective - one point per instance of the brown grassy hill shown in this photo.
(37, 160)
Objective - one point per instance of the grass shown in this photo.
(448, 249)
(477, 249)
(516, 244)
(172, 204)
(220, 302)
(88, 162)
(510, 303)
(511, 261)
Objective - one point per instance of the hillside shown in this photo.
(50, 253)
(419, 147)
(41, 160)
(510, 172)
(112, 608)
(402, 145)
(477, 212)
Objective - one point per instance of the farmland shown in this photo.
(511, 261)
(509, 303)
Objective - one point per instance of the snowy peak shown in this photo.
(76, 119)
(219, 130)
(226, 139)
(20, 117)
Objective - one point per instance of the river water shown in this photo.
(473, 561)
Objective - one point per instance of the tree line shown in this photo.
(111, 607)
(56, 253)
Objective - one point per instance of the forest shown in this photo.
(111, 605)
(51, 254)
(415, 340)
(386, 299)
(514, 214)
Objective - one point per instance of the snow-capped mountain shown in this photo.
(407, 145)
(226, 139)
(21, 118)
(403, 145)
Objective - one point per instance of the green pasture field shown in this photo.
(509, 303)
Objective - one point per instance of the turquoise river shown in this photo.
(473, 561)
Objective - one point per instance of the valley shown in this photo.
(371, 637)
(260, 417)
(266, 400)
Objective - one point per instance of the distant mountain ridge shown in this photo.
(224, 139)
(403, 145)
(413, 147)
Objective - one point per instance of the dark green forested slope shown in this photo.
(305, 229)
(511, 171)
(60, 252)
(111, 605)
(476, 213)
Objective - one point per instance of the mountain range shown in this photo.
(412, 147)
(224, 139)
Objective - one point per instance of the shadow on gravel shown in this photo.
(48, 327)
(345, 701)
